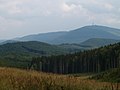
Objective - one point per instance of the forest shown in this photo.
(90, 61)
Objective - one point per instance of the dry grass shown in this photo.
(15, 79)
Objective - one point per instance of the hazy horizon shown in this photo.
(24, 17)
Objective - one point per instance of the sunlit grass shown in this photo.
(16, 79)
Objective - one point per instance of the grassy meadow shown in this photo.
(16, 79)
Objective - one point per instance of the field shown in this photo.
(16, 79)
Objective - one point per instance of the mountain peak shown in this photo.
(76, 36)
(94, 27)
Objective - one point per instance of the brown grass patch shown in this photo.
(16, 79)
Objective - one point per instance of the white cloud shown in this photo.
(71, 10)
(108, 6)
(56, 14)
(7, 24)
(118, 9)
(13, 6)
(66, 8)
(111, 20)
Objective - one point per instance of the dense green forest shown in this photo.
(91, 61)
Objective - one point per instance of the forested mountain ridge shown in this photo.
(94, 61)
(88, 44)
(18, 54)
(24, 47)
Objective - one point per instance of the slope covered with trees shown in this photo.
(94, 61)
(19, 54)
(98, 42)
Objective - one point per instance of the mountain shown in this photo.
(98, 42)
(2, 41)
(45, 37)
(87, 32)
(75, 47)
(76, 36)
(8, 41)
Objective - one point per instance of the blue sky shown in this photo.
(24, 17)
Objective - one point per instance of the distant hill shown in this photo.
(76, 36)
(72, 47)
(45, 37)
(98, 42)
(18, 54)
(87, 32)
(75, 47)
(32, 47)
(2, 41)
(8, 41)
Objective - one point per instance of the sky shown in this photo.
(23, 17)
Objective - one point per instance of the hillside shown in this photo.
(87, 32)
(2, 41)
(76, 36)
(39, 48)
(75, 47)
(20, 53)
(31, 47)
(98, 42)
(8, 41)
(108, 76)
(15, 79)
(45, 37)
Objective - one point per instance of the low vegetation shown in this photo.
(109, 76)
(15, 79)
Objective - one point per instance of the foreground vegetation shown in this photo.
(108, 76)
(15, 79)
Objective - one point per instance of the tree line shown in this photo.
(91, 61)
